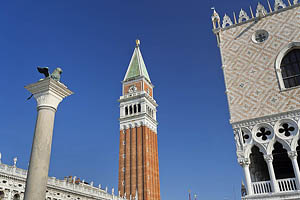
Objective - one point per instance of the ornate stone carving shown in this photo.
(243, 162)
(15, 161)
(226, 21)
(279, 4)
(260, 10)
(243, 16)
(215, 18)
(268, 158)
(293, 154)
(238, 140)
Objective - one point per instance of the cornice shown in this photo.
(264, 119)
(137, 95)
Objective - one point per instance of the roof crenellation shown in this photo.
(243, 17)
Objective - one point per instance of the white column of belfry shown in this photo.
(48, 94)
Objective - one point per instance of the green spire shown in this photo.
(137, 67)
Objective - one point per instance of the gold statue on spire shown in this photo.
(138, 42)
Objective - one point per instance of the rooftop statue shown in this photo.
(55, 74)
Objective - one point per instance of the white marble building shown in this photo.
(13, 179)
(260, 53)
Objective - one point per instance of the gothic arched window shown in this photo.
(290, 69)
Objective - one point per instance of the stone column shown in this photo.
(274, 184)
(245, 164)
(293, 157)
(48, 94)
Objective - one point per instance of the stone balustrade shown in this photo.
(261, 187)
(288, 184)
(12, 182)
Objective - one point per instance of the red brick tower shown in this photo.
(138, 158)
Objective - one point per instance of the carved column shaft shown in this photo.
(245, 164)
(293, 157)
(274, 184)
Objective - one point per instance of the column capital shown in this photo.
(293, 154)
(244, 162)
(268, 158)
(48, 92)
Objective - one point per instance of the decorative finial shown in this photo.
(270, 8)
(0, 157)
(234, 17)
(251, 11)
(138, 42)
(215, 18)
(15, 161)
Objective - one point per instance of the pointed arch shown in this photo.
(226, 21)
(282, 164)
(258, 166)
(249, 148)
(284, 143)
(279, 4)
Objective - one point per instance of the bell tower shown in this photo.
(138, 157)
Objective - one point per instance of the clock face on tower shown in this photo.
(132, 89)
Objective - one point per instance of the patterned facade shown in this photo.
(264, 113)
(138, 157)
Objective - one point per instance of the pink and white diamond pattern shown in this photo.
(250, 77)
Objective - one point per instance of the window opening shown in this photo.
(290, 69)
(282, 164)
(258, 166)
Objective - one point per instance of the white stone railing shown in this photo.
(63, 185)
(261, 187)
(13, 170)
(288, 184)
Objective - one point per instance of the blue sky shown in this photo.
(93, 40)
